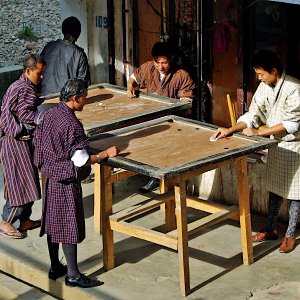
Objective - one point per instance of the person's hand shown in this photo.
(250, 131)
(222, 132)
(131, 92)
(112, 151)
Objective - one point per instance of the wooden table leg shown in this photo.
(43, 180)
(97, 193)
(106, 211)
(183, 250)
(163, 189)
(244, 206)
(169, 208)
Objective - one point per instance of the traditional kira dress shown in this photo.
(271, 106)
(21, 179)
(56, 140)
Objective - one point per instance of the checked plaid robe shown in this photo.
(56, 140)
(21, 179)
(272, 106)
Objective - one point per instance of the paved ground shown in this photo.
(146, 271)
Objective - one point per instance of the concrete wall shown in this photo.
(7, 76)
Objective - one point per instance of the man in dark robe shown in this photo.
(61, 155)
(18, 119)
(64, 59)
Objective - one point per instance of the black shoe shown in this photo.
(60, 271)
(82, 281)
(152, 184)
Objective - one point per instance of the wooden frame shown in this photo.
(115, 97)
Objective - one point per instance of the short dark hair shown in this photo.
(267, 60)
(162, 49)
(31, 60)
(71, 26)
(73, 87)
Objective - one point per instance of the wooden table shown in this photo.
(174, 149)
(108, 107)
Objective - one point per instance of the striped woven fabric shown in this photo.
(19, 106)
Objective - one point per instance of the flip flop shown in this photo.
(15, 234)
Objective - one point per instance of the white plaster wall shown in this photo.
(98, 40)
(119, 65)
(94, 35)
(77, 8)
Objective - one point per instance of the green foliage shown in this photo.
(27, 33)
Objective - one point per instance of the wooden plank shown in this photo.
(106, 211)
(162, 186)
(141, 207)
(169, 208)
(204, 205)
(183, 250)
(190, 174)
(244, 205)
(97, 200)
(210, 220)
(208, 206)
(145, 234)
(121, 175)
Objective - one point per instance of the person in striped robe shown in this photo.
(60, 153)
(18, 119)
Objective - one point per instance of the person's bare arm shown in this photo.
(96, 158)
(264, 131)
(222, 131)
(131, 87)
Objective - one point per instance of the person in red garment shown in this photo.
(163, 77)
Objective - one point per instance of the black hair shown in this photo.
(71, 27)
(267, 60)
(73, 87)
(31, 60)
(163, 49)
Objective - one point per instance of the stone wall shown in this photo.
(7, 76)
(43, 16)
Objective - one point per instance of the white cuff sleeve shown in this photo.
(80, 157)
(186, 98)
(133, 77)
(290, 126)
(245, 118)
